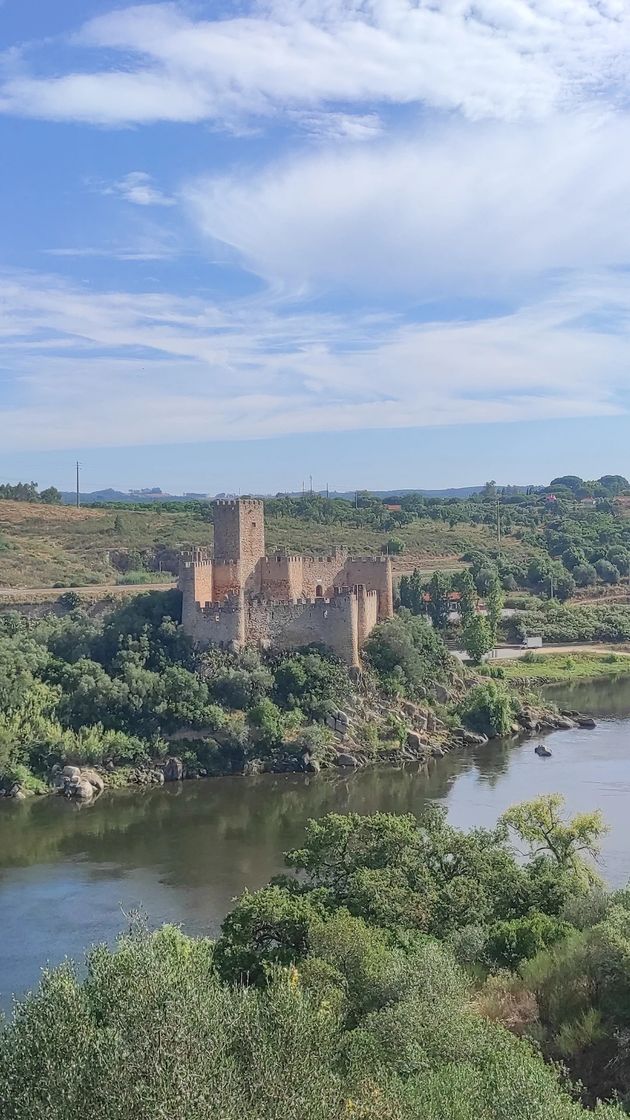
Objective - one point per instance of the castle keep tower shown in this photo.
(239, 539)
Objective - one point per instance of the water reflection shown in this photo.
(182, 853)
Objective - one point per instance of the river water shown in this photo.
(72, 876)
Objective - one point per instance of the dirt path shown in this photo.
(22, 594)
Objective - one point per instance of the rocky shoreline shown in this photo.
(421, 738)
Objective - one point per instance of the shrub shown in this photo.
(489, 708)
(510, 943)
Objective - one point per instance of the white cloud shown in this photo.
(126, 368)
(137, 187)
(496, 58)
(459, 210)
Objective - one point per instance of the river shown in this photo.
(72, 876)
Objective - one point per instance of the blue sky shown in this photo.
(383, 243)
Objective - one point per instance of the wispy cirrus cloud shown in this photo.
(127, 368)
(508, 60)
(138, 187)
(454, 210)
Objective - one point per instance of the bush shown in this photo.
(510, 943)
(407, 654)
(489, 708)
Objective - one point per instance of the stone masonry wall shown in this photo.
(239, 535)
(375, 574)
(220, 624)
(281, 577)
(227, 580)
(367, 613)
(289, 625)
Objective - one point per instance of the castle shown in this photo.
(242, 596)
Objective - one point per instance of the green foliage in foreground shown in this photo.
(339, 996)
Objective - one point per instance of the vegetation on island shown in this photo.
(409, 971)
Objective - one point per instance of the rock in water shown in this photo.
(173, 770)
(94, 779)
(346, 760)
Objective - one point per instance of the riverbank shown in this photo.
(181, 852)
(558, 667)
(422, 737)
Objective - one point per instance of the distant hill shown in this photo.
(453, 492)
(150, 497)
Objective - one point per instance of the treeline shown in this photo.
(73, 690)
(30, 492)
(410, 972)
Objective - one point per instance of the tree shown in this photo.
(439, 604)
(465, 584)
(477, 638)
(542, 825)
(51, 496)
(267, 724)
(411, 592)
(395, 546)
(607, 571)
(494, 606)
(484, 579)
(584, 575)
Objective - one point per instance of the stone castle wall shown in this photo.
(280, 625)
(374, 573)
(216, 624)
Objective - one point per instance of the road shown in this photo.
(97, 589)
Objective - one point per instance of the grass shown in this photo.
(559, 667)
(44, 546)
(133, 578)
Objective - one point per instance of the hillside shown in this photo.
(43, 546)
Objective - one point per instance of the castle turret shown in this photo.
(239, 537)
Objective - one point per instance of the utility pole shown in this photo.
(551, 587)
(498, 524)
(327, 491)
(78, 488)
(310, 479)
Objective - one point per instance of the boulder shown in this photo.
(437, 752)
(431, 723)
(313, 766)
(472, 739)
(253, 766)
(586, 721)
(173, 769)
(442, 694)
(563, 723)
(414, 740)
(346, 760)
(94, 778)
(17, 793)
(72, 773)
(81, 790)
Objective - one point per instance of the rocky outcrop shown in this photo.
(95, 780)
(348, 761)
(173, 769)
(339, 722)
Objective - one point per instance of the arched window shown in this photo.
(319, 591)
